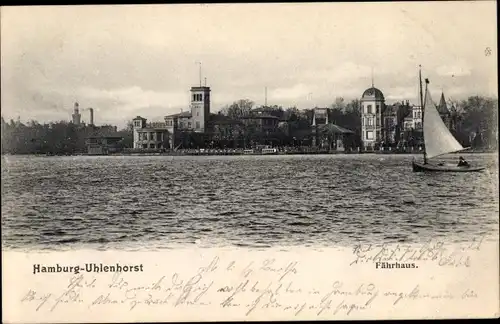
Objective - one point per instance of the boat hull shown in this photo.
(421, 167)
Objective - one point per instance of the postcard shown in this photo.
(247, 162)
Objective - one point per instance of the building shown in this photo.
(196, 119)
(408, 123)
(403, 113)
(390, 123)
(320, 116)
(327, 135)
(226, 132)
(76, 117)
(150, 135)
(372, 103)
(383, 124)
(176, 124)
(103, 145)
(261, 122)
(417, 117)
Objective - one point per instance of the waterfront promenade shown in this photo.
(280, 151)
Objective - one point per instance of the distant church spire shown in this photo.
(443, 107)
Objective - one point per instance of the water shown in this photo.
(155, 202)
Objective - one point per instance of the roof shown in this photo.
(390, 109)
(152, 129)
(373, 93)
(181, 114)
(200, 88)
(218, 119)
(106, 137)
(260, 116)
(442, 108)
(225, 122)
(332, 128)
(139, 118)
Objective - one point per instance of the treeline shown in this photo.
(56, 138)
(475, 121)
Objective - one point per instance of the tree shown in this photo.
(238, 109)
(354, 107)
(339, 104)
(477, 114)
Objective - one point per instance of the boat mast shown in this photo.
(422, 106)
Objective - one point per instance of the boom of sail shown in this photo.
(438, 139)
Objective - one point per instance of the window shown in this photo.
(197, 113)
(197, 125)
(369, 109)
(378, 109)
(419, 114)
(369, 135)
(370, 121)
(152, 145)
(189, 124)
(144, 145)
(137, 123)
(197, 97)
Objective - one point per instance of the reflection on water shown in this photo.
(135, 202)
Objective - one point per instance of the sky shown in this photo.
(130, 60)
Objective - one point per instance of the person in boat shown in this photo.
(462, 162)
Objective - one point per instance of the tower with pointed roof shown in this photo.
(444, 112)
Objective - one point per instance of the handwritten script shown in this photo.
(244, 288)
(436, 252)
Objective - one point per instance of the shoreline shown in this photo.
(237, 153)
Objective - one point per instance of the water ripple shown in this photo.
(252, 201)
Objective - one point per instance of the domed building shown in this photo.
(372, 105)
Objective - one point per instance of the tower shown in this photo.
(372, 103)
(76, 114)
(444, 112)
(200, 108)
(138, 123)
(91, 110)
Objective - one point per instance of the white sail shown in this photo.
(438, 139)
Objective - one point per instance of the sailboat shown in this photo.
(438, 139)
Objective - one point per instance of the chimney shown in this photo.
(91, 116)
